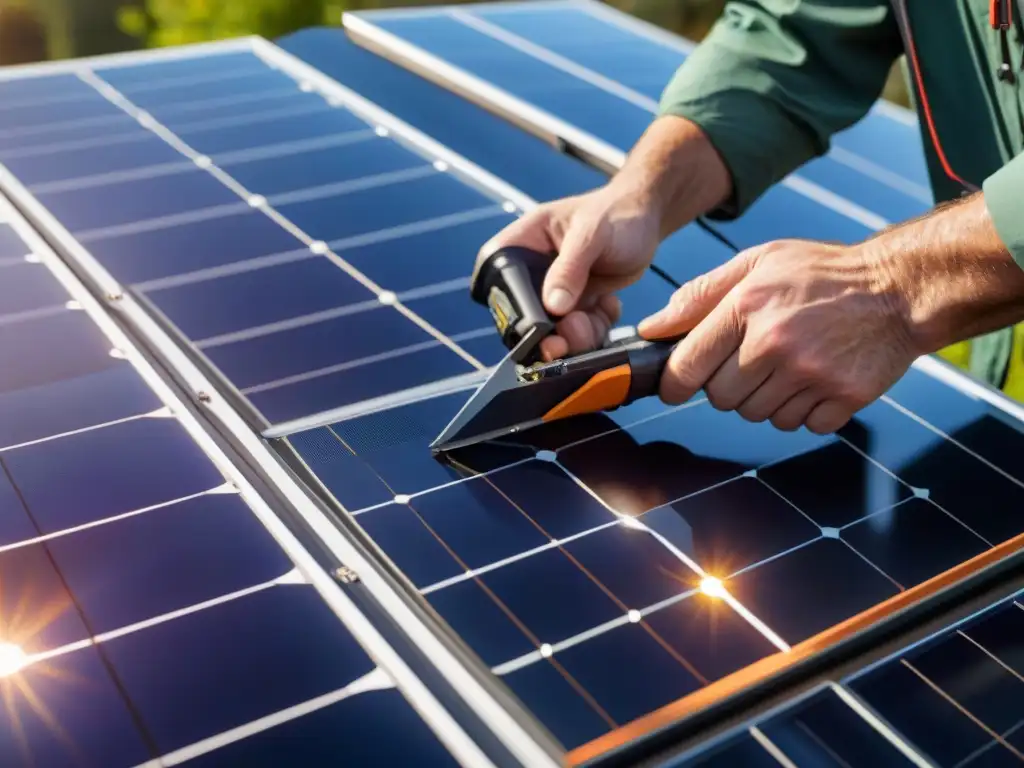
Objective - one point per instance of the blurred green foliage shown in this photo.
(175, 22)
(157, 23)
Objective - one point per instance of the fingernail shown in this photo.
(648, 322)
(559, 301)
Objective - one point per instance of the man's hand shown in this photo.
(804, 333)
(604, 240)
(794, 332)
(603, 243)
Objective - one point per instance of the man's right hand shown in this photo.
(604, 241)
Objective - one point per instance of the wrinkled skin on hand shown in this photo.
(795, 332)
(604, 241)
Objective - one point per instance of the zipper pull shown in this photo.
(1000, 14)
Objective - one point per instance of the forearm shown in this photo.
(952, 273)
(773, 82)
(675, 173)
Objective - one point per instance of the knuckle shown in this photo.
(753, 412)
(721, 398)
(785, 423)
(694, 291)
(676, 387)
(809, 368)
(825, 425)
(773, 342)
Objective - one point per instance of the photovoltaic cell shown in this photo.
(146, 613)
(188, 217)
(43, 168)
(515, 544)
(953, 698)
(572, 546)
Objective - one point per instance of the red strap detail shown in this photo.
(925, 108)
(1000, 14)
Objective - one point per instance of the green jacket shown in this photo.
(775, 79)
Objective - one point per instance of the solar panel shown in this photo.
(597, 90)
(153, 610)
(528, 163)
(630, 568)
(566, 557)
(952, 698)
(234, 178)
(860, 523)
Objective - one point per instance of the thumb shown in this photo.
(569, 273)
(695, 300)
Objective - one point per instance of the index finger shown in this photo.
(699, 355)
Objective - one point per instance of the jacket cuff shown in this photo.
(759, 142)
(1004, 198)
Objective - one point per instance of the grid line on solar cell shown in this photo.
(372, 681)
(928, 425)
(156, 84)
(32, 314)
(436, 289)
(112, 519)
(391, 354)
(356, 185)
(428, 396)
(161, 222)
(248, 119)
(882, 174)
(74, 144)
(113, 177)
(125, 104)
(82, 122)
(292, 577)
(157, 414)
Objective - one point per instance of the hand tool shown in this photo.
(523, 391)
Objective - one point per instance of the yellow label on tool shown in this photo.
(501, 309)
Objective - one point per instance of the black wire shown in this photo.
(665, 276)
(717, 235)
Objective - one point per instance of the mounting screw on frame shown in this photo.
(346, 575)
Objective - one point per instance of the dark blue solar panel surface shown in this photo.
(154, 610)
(214, 267)
(805, 531)
(652, 487)
(954, 698)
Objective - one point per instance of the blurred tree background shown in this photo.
(34, 30)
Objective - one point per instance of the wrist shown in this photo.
(675, 173)
(947, 275)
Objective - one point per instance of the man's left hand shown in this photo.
(795, 332)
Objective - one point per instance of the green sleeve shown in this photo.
(1004, 197)
(775, 79)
